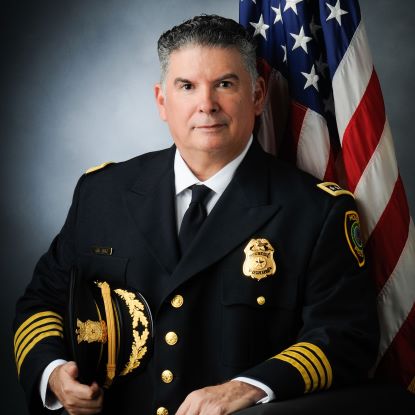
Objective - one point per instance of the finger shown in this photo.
(95, 398)
(71, 369)
(77, 406)
(80, 392)
(184, 408)
(95, 390)
(83, 411)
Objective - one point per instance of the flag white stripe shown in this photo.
(397, 297)
(377, 182)
(313, 149)
(351, 78)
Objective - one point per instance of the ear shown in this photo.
(160, 101)
(259, 95)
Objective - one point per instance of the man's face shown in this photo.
(208, 102)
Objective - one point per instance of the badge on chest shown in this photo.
(259, 259)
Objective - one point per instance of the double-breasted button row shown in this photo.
(171, 338)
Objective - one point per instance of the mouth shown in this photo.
(210, 127)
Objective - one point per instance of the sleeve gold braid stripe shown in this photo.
(316, 362)
(33, 344)
(323, 359)
(307, 364)
(33, 334)
(32, 326)
(32, 318)
(299, 367)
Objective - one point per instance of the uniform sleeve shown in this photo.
(338, 341)
(38, 325)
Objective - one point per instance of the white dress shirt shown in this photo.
(184, 178)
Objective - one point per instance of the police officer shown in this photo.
(249, 266)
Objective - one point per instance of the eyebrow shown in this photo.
(228, 76)
(221, 78)
(181, 81)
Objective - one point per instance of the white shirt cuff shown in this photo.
(270, 393)
(48, 398)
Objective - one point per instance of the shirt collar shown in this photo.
(184, 177)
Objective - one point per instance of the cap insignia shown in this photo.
(91, 331)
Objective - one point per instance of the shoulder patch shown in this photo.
(353, 236)
(99, 167)
(334, 189)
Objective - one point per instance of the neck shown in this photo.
(204, 166)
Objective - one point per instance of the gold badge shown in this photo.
(259, 259)
(91, 331)
(353, 236)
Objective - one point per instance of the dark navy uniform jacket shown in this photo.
(311, 325)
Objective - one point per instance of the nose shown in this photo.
(208, 103)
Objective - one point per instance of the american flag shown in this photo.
(325, 112)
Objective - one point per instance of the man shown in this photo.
(269, 299)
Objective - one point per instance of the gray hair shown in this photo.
(210, 31)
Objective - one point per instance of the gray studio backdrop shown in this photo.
(77, 89)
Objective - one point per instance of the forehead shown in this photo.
(207, 61)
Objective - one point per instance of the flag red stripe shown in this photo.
(330, 174)
(398, 361)
(390, 235)
(363, 132)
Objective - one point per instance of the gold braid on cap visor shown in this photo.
(109, 315)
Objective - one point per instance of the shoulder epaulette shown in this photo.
(99, 167)
(334, 189)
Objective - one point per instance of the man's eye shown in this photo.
(225, 84)
(187, 87)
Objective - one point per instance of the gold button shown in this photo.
(167, 376)
(171, 338)
(162, 411)
(177, 301)
(260, 300)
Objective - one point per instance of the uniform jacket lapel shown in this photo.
(151, 204)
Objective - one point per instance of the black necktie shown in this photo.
(194, 216)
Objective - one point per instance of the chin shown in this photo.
(214, 143)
